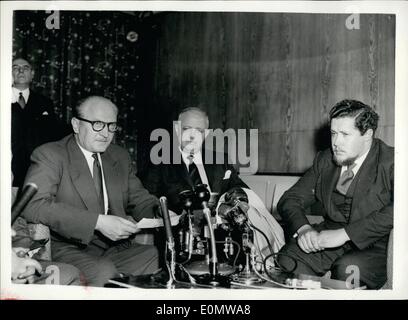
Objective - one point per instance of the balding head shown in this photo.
(87, 112)
(196, 113)
(192, 130)
(92, 102)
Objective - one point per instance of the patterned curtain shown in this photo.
(91, 53)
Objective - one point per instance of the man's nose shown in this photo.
(104, 132)
(336, 140)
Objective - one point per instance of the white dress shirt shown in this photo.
(359, 161)
(16, 94)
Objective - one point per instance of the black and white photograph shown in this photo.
(204, 150)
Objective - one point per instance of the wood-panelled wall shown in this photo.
(279, 73)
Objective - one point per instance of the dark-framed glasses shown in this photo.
(23, 68)
(100, 125)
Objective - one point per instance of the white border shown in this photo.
(400, 290)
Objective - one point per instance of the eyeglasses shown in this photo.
(100, 125)
(21, 68)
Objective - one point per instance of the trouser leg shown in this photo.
(96, 270)
(134, 259)
(362, 267)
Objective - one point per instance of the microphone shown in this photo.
(30, 189)
(166, 219)
(243, 206)
(203, 196)
(170, 246)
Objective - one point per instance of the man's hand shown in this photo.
(23, 269)
(115, 228)
(308, 239)
(332, 238)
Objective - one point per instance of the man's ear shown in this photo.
(206, 133)
(177, 128)
(369, 134)
(75, 124)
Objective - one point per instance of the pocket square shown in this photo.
(227, 175)
(45, 113)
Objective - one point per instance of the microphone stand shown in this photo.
(171, 266)
(247, 275)
(170, 254)
(186, 198)
(214, 279)
(29, 190)
(213, 259)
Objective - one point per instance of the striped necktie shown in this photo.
(97, 177)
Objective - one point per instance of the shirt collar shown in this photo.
(197, 159)
(87, 154)
(16, 94)
(358, 162)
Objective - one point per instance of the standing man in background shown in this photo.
(33, 121)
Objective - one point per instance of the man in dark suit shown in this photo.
(90, 198)
(189, 166)
(33, 121)
(354, 182)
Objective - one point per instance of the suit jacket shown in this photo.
(67, 201)
(31, 127)
(170, 179)
(371, 217)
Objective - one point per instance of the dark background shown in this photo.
(279, 73)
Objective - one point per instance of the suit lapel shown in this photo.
(33, 106)
(209, 169)
(181, 170)
(30, 107)
(329, 179)
(183, 173)
(112, 182)
(81, 176)
(366, 176)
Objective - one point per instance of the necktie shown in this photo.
(97, 177)
(345, 179)
(193, 171)
(21, 100)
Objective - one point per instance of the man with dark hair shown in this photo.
(90, 198)
(354, 182)
(33, 121)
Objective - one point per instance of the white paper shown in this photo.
(147, 223)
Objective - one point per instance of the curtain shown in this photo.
(77, 54)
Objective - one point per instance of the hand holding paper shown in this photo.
(147, 223)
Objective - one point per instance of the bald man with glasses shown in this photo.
(90, 198)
